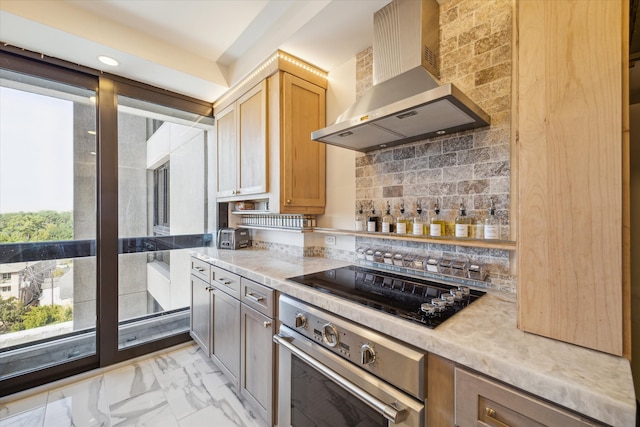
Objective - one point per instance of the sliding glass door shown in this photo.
(162, 201)
(103, 194)
(47, 223)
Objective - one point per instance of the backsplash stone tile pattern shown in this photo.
(306, 251)
(468, 167)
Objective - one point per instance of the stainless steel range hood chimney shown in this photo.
(405, 103)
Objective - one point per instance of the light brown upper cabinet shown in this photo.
(572, 152)
(265, 151)
(242, 144)
(302, 161)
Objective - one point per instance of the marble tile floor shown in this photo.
(177, 388)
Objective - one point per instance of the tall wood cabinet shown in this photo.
(572, 143)
(301, 110)
(265, 151)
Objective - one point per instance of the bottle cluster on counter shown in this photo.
(430, 224)
(441, 265)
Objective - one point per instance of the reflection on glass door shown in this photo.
(47, 223)
(161, 208)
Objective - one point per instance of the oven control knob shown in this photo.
(367, 354)
(301, 320)
(330, 335)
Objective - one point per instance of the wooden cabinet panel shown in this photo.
(275, 159)
(201, 269)
(257, 359)
(302, 160)
(226, 334)
(227, 151)
(483, 402)
(570, 111)
(252, 124)
(242, 145)
(440, 391)
(200, 329)
(226, 281)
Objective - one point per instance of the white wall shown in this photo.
(341, 171)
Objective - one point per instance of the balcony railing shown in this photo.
(64, 249)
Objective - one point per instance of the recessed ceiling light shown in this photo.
(108, 60)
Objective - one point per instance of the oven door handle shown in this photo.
(388, 411)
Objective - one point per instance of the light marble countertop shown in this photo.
(483, 337)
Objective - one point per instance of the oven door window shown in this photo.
(318, 401)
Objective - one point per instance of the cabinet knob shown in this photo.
(288, 201)
(267, 324)
(493, 417)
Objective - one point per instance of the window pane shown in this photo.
(161, 194)
(47, 223)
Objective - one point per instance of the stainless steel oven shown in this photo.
(333, 372)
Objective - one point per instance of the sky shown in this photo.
(36, 152)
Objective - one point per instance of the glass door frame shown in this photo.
(107, 87)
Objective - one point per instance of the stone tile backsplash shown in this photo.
(469, 167)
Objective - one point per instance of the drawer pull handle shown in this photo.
(251, 296)
(200, 269)
(223, 281)
(267, 324)
(492, 415)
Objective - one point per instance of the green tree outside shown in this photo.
(14, 316)
(46, 315)
(36, 226)
(11, 313)
(33, 227)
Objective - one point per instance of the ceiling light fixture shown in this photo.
(107, 60)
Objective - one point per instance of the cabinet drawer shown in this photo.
(483, 402)
(226, 281)
(200, 269)
(258, 297)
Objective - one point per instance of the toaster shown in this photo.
(233, 238)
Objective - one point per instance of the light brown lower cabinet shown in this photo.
(481, 401)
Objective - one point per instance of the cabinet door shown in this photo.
(303, 161)
(256, 382)
(251, 113)
(227, 151)
(226, 334)
(201, 314)
(482, 402)
(570, 229)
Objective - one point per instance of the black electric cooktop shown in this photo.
(418, 300)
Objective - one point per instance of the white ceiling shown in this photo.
(195, 47)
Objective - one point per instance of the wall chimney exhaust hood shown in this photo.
(405, 103)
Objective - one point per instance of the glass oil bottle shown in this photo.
(387, 220)
(360, 219)
(418, 225)
(491, 223)
(401, 221)
(462, 223)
